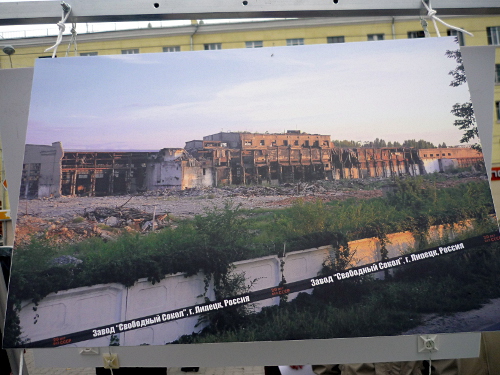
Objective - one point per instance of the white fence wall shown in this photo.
(89, 307)
(75, 310)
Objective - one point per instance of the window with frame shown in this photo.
(416, 34)
(254, 44)
(497, 110)
(295, 42)
(458, 34)
(88, 53)
(335, 39)
(497, 73)
(132, 51)
(172, 49)
(372, 37)
(212, 46)
(493, 35)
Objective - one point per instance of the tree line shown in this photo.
(379, 143)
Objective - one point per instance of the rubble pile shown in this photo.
(29, 227)
(71, 219)
(287, 189)
(105, 222)
(129, 218)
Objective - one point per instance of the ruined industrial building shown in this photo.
(225, 158)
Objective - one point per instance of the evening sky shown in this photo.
(394, 90)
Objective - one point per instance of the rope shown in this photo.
(424, 26)
(432, 14)
(66, 10)
(73, 40)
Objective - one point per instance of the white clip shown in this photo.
(432, 14)
(66, 10)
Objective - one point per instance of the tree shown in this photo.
(418, 144)
(464, 111)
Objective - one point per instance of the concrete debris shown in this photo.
(104, 222)
(287, 189)
(148, 225)
(121, 217)
(57, 231)
(112, 221)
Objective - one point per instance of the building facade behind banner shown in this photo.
(199, 36)
(6, 228)
(226, 158)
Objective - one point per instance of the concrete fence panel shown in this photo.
(89, 307)
(304, 264)
(173, 292)
(261, 273)
(74, 310)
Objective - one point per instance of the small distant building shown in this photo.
(446, 159)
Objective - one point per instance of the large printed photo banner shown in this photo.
(281, 193)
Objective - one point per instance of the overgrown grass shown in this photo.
(368, 307)
(210, 243)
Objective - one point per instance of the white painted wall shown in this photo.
(439, 165)
(173, 292)
(89, 307)
(75, 310)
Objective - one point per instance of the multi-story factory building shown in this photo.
(226, 158)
